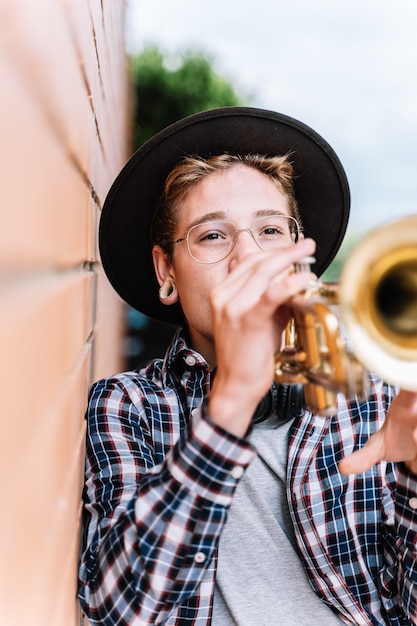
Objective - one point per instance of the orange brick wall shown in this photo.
(64, 134)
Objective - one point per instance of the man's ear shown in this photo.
(168, 293)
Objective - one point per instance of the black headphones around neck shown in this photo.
(286, 401)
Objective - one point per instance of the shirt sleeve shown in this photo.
(399, 506)
(406, 525)
(151, 528)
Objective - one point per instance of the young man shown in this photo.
(199, 510)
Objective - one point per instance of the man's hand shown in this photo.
(249, 315)
(396, 441)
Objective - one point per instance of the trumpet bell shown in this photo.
(378, 302)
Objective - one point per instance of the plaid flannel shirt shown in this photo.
(160, 476)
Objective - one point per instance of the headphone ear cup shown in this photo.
(287, 401)
(267, 405)
(290, 401)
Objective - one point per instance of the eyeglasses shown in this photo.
(211, 242)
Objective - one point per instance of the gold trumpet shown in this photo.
(368, 322)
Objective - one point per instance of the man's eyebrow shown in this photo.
(267, 212)
(208, 217)
(221, 215)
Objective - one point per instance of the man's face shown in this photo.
(238, 195)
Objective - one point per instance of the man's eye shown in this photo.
(211, 236)
(271, 231)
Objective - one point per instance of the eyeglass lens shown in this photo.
(213, 241)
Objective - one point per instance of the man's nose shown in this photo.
(244, 243)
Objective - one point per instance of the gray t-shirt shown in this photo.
(260, 579)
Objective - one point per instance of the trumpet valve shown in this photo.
(290, 365)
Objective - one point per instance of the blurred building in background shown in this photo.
(65, 133)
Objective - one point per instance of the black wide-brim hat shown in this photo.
(321, 190)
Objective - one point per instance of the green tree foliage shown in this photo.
(168, 88)
(332, 274)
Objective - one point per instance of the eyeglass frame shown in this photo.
(237, 232)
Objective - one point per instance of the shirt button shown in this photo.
(413, 503)
(199, 557)
(190, 360)
(237, 471)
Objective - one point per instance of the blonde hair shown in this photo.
(191, 170)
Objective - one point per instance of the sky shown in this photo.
(347, 68)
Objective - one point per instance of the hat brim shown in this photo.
(321, 189)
